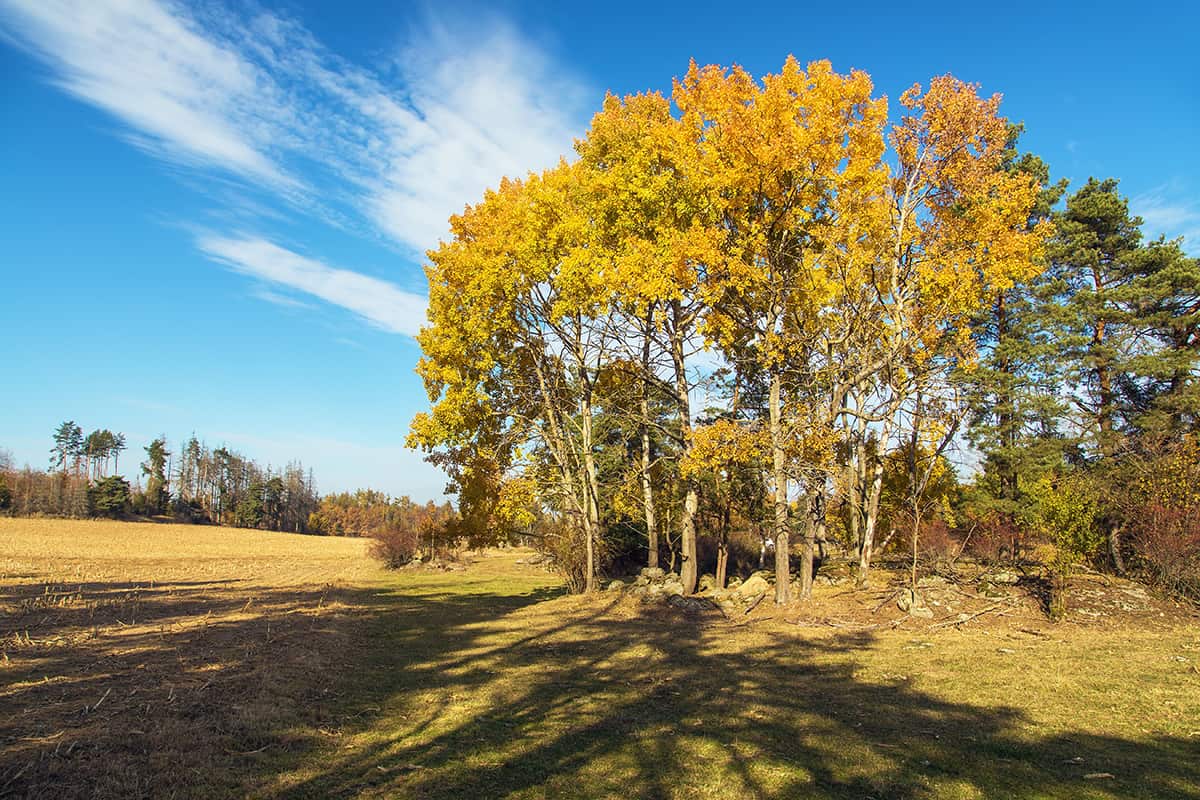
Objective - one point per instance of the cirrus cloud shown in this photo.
(385, 150)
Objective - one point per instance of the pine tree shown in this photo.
(1095, 243)
(1012, 392)
(155, 470)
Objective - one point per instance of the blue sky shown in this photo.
(215, 214)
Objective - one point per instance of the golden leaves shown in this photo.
(811, 238)
(723, 444)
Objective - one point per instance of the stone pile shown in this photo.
(655, 585)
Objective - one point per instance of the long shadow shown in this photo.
(194, 688)
(790, 721)
(474, 692)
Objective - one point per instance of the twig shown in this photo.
(886, 600)
(19, 774)
(957, 621)
(102, 699)
(754, 605)
(247, 752)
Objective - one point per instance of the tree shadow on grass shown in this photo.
(603, 706)
(479, 690)
(191, 688)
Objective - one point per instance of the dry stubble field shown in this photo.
(164, 661)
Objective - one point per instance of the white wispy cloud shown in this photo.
(1171, 212)
(281, 300)
(388, 150)
(377, 301)
(181, 92)
(403, 146)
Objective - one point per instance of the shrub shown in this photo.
(565, 547)
(395, 547)
(1067, 512)
(995, 538)
(1166, 543)
(936, 545)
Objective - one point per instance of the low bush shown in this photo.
(1166, 544)
(395, 547)
(995, 538)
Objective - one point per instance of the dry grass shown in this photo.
(161, 661)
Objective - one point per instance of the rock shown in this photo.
(707, 583)
(988, 589)
(693, 604)
(1005, 578)
(754, 586)
(914, 604)
(616, 586)
(653, 573)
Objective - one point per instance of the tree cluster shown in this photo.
(225, 487)
(761, 306)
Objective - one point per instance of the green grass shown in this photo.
(484, 688)
(492, 683)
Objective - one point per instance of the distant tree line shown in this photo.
(223, 486)
(218, 486)
(204, 485)
(402, 529)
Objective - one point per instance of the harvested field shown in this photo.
(146, 660)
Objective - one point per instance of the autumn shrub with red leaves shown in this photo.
(1166, 543)
(395, 547)
(995, 538)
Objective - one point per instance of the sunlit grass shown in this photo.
(287, 666)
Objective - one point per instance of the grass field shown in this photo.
(143, 660)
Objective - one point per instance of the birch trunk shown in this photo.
(779, 479)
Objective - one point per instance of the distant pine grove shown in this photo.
(198, 484)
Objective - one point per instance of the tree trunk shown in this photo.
(691, 500)
(779, 479)
(688, 565)
(722, 563)
(872, 517)
(1006, 421)
(815, 519)
(647, 489)
(591, 506)
(1114, 549)
(1104, 412)
(854, 504)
